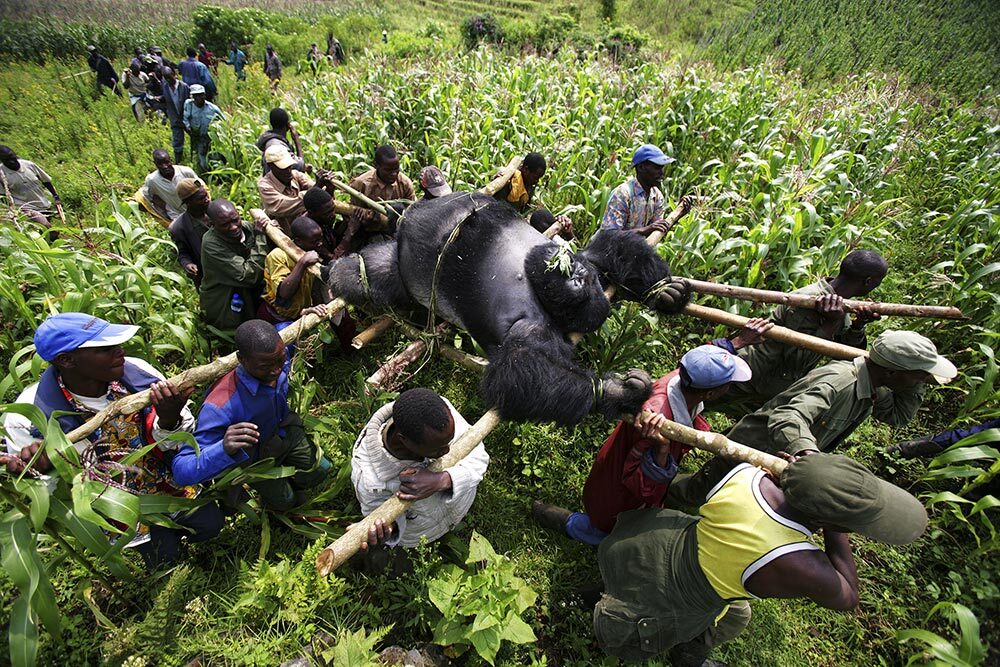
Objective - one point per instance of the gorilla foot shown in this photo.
(669, 297)
(624, 393)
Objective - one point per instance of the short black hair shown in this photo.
(256, 337)
(159, 153)
(418, 409)
(542, 219)
(219, 206)
(279, 118)
(6, 151)
(534, 162)
(384, 153)
(861, 264)
(315, 198)
(191, 52)
(301, 226)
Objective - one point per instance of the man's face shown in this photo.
(388, 171)
(9, 160)
(198, 202)
(101, 364)
(531, 178)
(165, 166)
(870, 284)
(169, 75)
(434, 444)
(907, 379)
(199, 99)
(311, 241)
(282, 174)
(228, 224)
(266, 366)
(650, 175)
(326, 214)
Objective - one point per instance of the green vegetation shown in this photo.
(792, 176)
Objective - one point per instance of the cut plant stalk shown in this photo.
(338, 552)
(805, 301)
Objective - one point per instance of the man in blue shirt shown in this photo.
(246, 418)
(198, 115)
(193, 71)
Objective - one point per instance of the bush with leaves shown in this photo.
(482, 607)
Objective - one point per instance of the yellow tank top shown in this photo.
(739, 533)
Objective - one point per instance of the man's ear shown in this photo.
(64, 360)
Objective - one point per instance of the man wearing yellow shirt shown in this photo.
(678, 585)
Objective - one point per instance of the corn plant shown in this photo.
(939, 650)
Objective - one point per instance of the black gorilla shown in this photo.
(499, 279)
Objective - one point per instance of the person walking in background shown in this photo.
(207, 58)
(272, 67)
(198, 116)
(175, 94)
(193, 71)
(238, 59)
(106, 77)
(135, 82)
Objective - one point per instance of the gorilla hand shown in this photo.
(624, 393)
(671, 297)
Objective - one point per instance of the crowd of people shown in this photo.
(673, 582)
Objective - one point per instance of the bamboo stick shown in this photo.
(377, 328)
(820, 345)
(363, 198)
(807, 301)
(720, 445)
(503, 178)
(279, 239)
(196, 376)
(348, 544)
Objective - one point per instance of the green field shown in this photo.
(792, 172)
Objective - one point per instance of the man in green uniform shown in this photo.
(824, 408)
(776, 366)
(232, 259)
(678, 585)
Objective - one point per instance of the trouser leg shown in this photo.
(346, 331)
(295, 450)
(691, 489)
(177, 139)
(696, 651)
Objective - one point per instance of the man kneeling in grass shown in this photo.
(391, 457)
(677, 585)
(246, 418)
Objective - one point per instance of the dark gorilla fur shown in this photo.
(495, 281)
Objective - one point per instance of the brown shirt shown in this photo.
(283, 202)
(369, 185)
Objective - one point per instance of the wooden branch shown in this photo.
(819, 345)
(377, 328)
(279, 239)
(361, 197)
(503, 178)
(720, 445)
(338, 552)
(470, 361)
(195, 376)
(807, 301)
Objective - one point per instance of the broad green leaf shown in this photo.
(92, 539)
(37, 492)
(487, 643)
(24, 566)
(480, 549)
(65, 459)
(517, 631)
(83, 493)
(23, 634)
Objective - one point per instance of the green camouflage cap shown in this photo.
(837, 491)
(909, 351)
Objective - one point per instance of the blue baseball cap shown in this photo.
(651, 153)
(66, 332)
(710, 367)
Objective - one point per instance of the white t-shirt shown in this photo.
(26, 186)
(18, 427)
(166, 189)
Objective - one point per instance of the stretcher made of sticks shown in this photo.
(339, 551)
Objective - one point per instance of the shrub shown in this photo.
(481, 29)
(218, 26)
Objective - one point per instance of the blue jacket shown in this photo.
(174, 101)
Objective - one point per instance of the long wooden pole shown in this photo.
(361, 197)
(338, 552)
(503, 178)
(196, 376)
(377, 328)
(807, 301)
(280, 239)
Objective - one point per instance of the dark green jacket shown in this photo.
(229, 267)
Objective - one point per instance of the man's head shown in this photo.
(649, 161)
(138, 52)
(270, 49)
(198, 94)
(233, 45)
(306, 234)
(169, 76)
(422, 423)
(92, 50)
(532, 169)
(134, 68)
(155, 50)
(279, 119)
(860, 273)
(225, 219)
(84, 345)
(836, 492)
(905, 359)
(708, 371)
(386, 164)
(191, 53)
(194, 195)
(9, 158)
(163, 163)
(281, 161)
(433, 183)
(319, 204)
(201, 48)
(260, 350)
